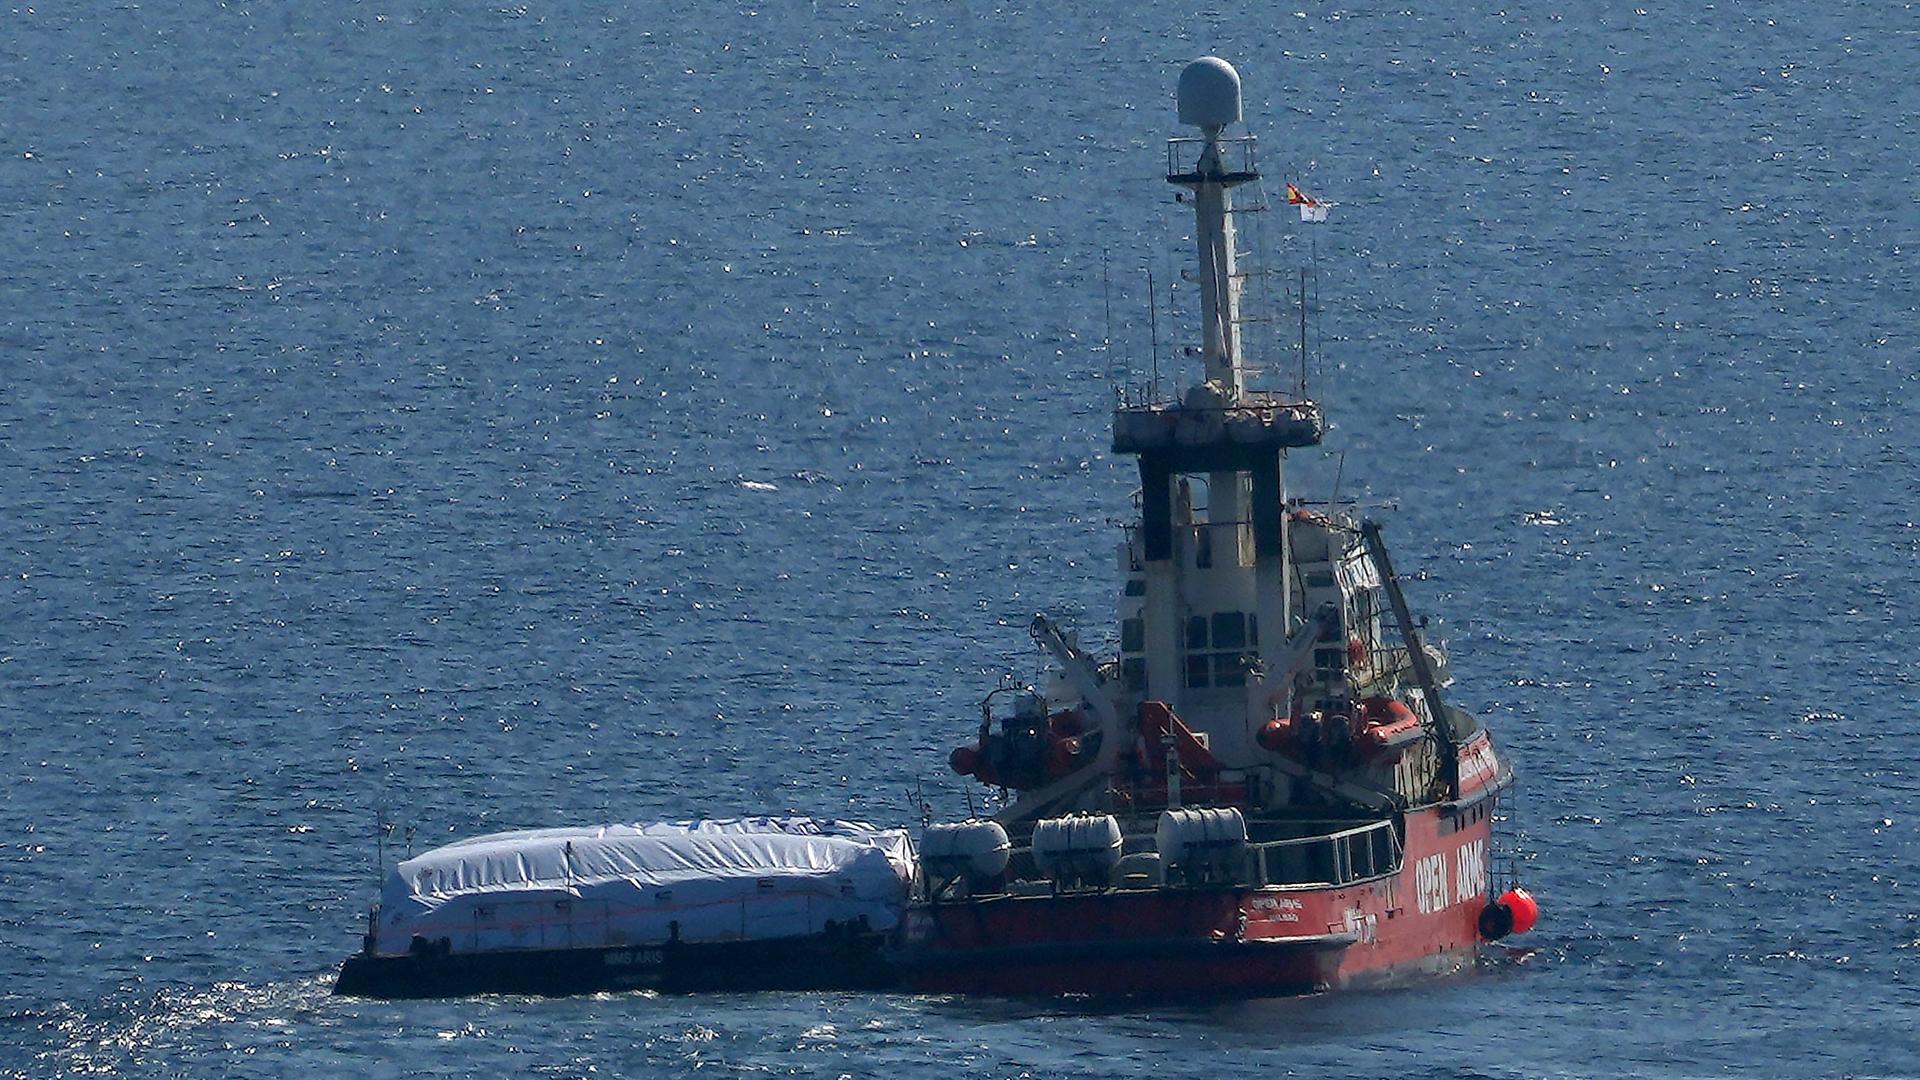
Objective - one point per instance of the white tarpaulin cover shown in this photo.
(746, 878)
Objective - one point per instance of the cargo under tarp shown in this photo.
(739, 879)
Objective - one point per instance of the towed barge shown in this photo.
(740, 904)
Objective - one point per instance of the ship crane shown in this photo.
(1423, 674)
(1084, 673)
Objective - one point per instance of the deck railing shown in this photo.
(1336, 858)
(1339, 858)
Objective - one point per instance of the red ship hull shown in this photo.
(1420, 920)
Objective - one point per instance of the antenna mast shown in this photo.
(1209, 99)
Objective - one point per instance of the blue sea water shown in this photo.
(523, 414)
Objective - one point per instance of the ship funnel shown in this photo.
(1209, 95)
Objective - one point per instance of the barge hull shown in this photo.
(815, 963)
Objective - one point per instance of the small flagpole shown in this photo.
(1303, 332)
(1114, 371)
(1314, 251)
(1153, 326)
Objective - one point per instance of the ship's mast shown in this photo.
(1213, 588)
(1209, 99)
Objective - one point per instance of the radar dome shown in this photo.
(1209, 94)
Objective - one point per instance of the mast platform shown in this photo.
(1219, 433)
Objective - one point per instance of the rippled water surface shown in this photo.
(519, 415)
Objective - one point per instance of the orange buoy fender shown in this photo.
(1526, 910)
(1514, 912)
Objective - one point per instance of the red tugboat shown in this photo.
(1264, 791)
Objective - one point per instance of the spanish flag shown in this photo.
(1311, 209)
